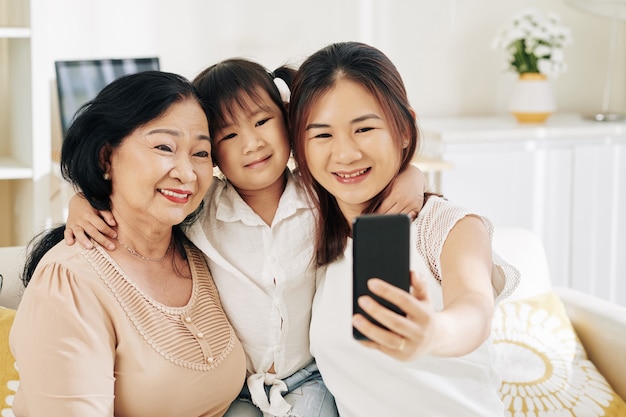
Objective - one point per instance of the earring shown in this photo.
(106, 176)
(405, 143)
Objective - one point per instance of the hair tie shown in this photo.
(283, 89)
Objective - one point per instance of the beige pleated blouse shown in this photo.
(88, 342)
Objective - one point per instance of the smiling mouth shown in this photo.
(352, 175)
(171, 193)
(258, 161)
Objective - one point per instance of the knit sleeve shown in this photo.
(434, 222)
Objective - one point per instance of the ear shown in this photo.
(105, 158)
(405, 143)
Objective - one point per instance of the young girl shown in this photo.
(256, 230)
(354, 133)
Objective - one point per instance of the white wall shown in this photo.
(441, 47)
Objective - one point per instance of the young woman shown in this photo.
(256, 230)
(354, 132)
(139, 331)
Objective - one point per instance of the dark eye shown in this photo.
(228, 136)
(202, 154)
(164, 148)
(323, 135)
(364, 129)
(261, 122)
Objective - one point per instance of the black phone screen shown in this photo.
(380, 250)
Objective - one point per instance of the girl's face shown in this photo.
(162, 170)
(253, 149)
(349, 146)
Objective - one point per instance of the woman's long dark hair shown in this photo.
(99, 127)
(373, 70)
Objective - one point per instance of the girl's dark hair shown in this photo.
(372, 69)
(99, 127)
(225, 86)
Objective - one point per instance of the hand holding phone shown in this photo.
(380, 250)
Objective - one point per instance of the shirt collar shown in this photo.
(232, 208)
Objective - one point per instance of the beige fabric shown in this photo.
(88, 342)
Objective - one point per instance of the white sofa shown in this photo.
(600, 325)
(11, 263)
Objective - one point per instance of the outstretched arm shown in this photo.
(84, 221)
(407, 193)
(468, 305)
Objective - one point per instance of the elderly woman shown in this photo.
(138, 331)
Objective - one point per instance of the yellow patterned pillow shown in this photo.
(544, 367)
(8, 373)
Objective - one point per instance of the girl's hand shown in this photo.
(408, 337)
(84, 221)
(407, 193)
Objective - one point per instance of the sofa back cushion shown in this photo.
(523, 249)
(11, 263)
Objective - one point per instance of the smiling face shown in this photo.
(162, 170)
(252, 150)
(350, 147)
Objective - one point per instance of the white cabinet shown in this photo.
(25, 148)
(565, 180)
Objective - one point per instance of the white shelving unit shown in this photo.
(25, 146)
(565, 180)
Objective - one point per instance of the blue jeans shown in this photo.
(306, 393)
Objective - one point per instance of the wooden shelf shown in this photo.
(10, 169)
(25, 143)
(14, 32)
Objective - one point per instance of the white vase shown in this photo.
(532, 100)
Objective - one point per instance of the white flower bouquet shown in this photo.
(534, 43)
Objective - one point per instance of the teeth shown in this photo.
(172, 194)
(355, 174)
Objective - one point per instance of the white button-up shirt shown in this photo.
(265, 275)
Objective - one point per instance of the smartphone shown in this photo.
(380, 245)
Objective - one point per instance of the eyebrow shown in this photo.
(249, 112)
(353, 121)
(173, 132)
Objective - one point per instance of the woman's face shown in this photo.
(253, 149)
(349, 146)
(162, 170)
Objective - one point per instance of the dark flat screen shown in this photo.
(80, 81)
